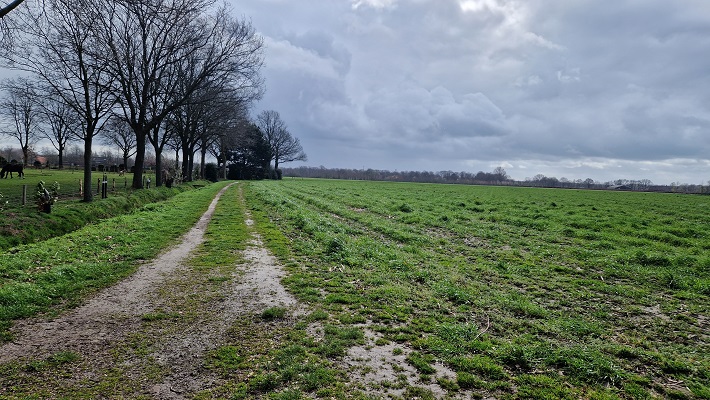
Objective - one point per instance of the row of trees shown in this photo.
(249, 152)
(167, 73)
(497, 177)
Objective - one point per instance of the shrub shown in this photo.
(211, 172)
(46, 197)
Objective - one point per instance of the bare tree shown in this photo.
(184, 124)
(59, 46)
(287, 149)
(222, 113)
(20, 106)
(149, 40)
(235, 119)
(501, 174)
(9, 153)
(284, 147)
(119, 134)
(63, 124)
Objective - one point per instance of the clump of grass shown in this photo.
(160, 316)
(226, 359)
(405, 208)
(273, 313)
(338, 339)
(422, 362)
(467, 380)
(482, 365)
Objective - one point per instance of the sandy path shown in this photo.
(257, 288)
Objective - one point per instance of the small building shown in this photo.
(40, 162)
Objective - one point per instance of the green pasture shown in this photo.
(524, 293)
(25, 224)
(69, 182)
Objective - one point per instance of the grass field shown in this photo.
(68, 179)
(524, 293)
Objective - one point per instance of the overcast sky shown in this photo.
(577, 89)
(573, 89)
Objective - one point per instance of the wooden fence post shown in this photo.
(24, 194)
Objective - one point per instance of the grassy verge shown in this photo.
(523, 293)
(22, 225)
(35, 278)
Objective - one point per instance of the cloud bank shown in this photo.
(571, 89)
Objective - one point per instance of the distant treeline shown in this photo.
(498, 177)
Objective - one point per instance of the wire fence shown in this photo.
(17, 192)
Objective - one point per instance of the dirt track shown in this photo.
(108, 319)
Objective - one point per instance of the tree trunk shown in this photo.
(158, 169)
(26, 156)
(140, 160)
(183, 166)
(88, 194)
(203, 155)
(223, 151)
(191, 166)
(158, 147)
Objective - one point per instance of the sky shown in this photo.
(576, 89)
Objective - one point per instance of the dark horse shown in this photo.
(10, 168)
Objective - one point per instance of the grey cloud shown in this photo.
(415, 113)
(325, 46)
(457, 84)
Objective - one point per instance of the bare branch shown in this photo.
(6, 10)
